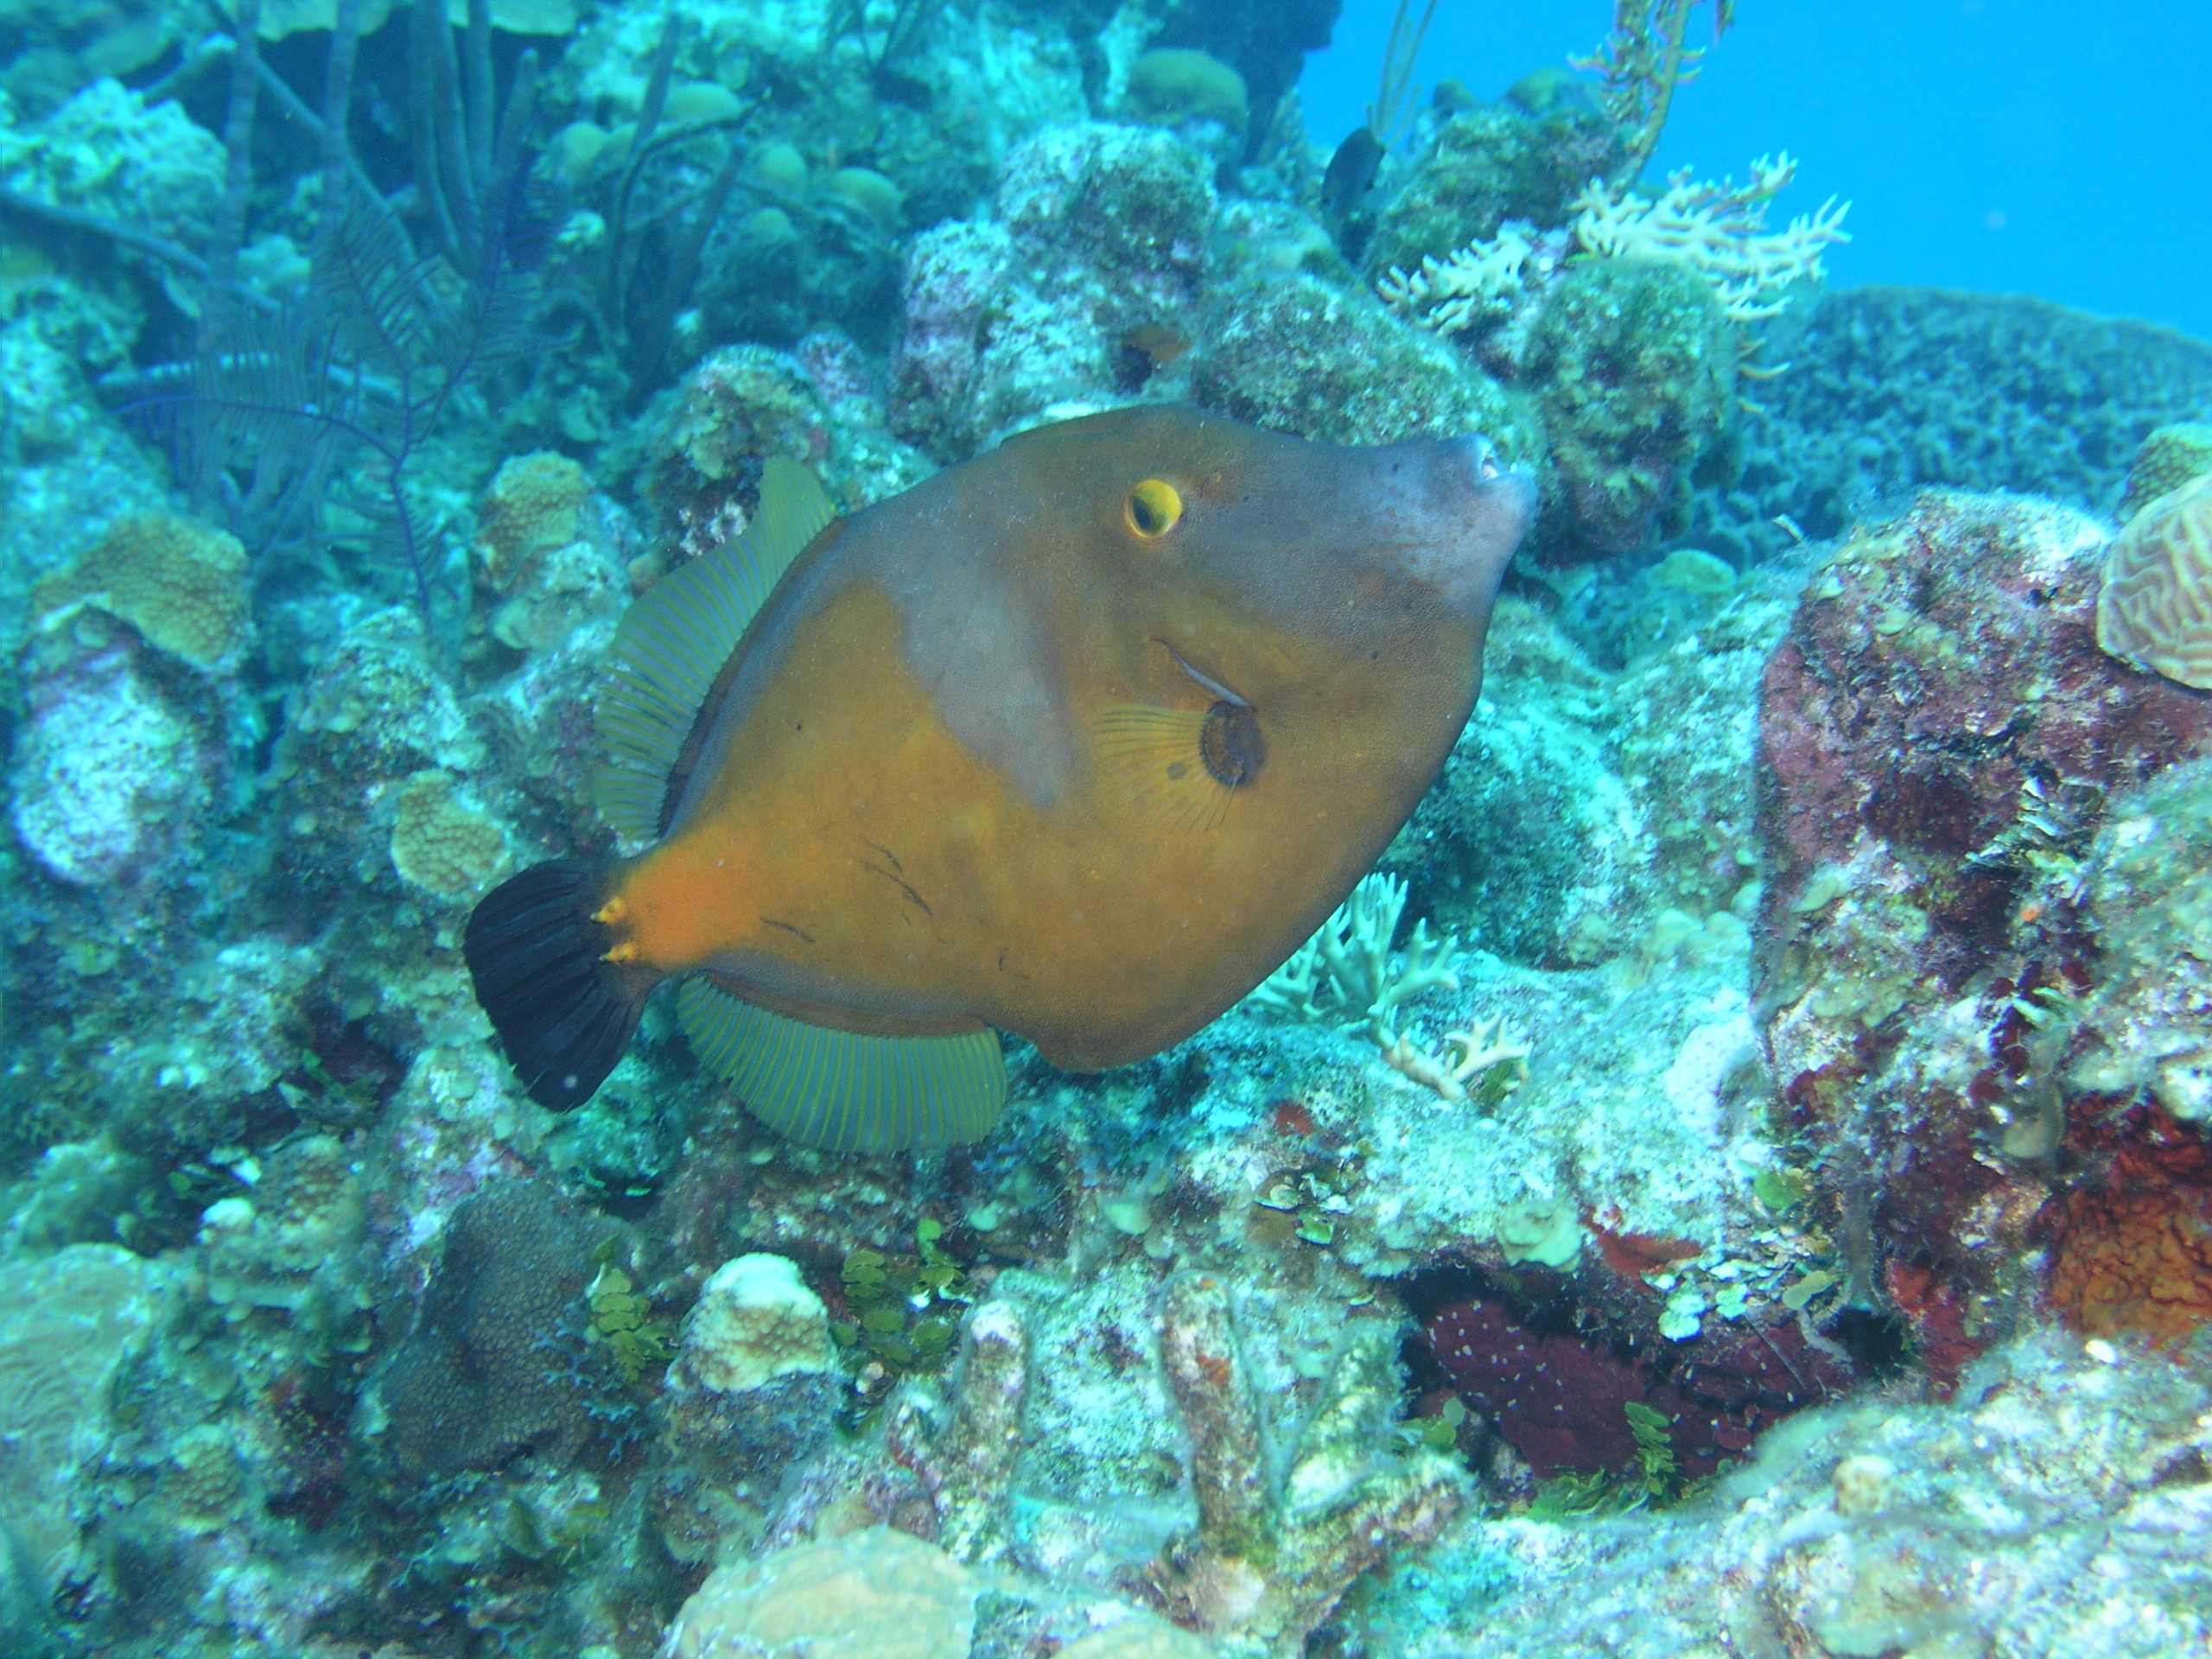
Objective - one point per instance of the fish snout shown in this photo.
(1461, 512)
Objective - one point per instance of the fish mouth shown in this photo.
(1479, 509)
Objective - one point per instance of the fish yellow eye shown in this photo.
(1155, 506)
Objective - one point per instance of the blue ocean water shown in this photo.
(2012, 146)
(858, 829)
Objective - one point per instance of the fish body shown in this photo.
(1350, 173)
(1078, 740)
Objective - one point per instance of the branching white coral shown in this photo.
(1479, 284)
(1719, 230)
(1346, 975)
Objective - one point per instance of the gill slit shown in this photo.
(1204, 680)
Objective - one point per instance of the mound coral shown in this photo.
(1634, 363)
(873, 1594)
(498, 1359)
(442, 841)
(2155, 607)
(2170, 457)
(179, 584)
(1172, 85)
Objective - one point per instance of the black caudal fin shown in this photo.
(563, 1013)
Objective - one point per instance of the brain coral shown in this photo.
(68, 1322)
(2155, 607)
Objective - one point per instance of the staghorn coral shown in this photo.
(1345, 974)
(1489, 167)
(1483, 284)
(1715, 231)
(2154, 608)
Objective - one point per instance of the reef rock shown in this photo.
(1941, 736)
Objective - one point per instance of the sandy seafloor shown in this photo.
(1735, 1181)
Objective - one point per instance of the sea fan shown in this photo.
(298, 427)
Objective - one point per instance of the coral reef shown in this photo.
(1736, 1173)
(1485, 167)
(1877, 1527)
(1942, 737)
(1097, 232)
(1636, 365)
(1889, 389)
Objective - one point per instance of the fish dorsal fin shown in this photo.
(842, 1090)
(678, 637)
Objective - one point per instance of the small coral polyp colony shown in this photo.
(1756, 1111)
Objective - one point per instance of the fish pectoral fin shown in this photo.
(1183, 764)
(843, 1091)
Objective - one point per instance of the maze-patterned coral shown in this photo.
(2155, 608)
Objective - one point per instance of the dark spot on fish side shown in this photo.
(1175, 770)
(803, 936)
(1230, 743)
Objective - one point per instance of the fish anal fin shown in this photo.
(842, 1090)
